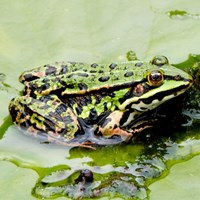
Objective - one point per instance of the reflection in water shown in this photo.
(127, 180)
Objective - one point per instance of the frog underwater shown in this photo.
(82, 104)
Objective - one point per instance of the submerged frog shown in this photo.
(83, 104)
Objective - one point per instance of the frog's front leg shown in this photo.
(46, 115)
(110, 126)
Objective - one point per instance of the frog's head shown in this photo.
(160, 83)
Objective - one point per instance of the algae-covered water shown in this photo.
(33, 33)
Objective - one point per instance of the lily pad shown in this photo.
(33, 33)
(13, 180)
(181, 184)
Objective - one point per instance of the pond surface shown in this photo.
(35, 33)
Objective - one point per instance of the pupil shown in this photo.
(156, 76)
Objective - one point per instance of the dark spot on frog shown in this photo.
(100, 71)
(143, 108)
(94, 65)
(34, 87)
(112, 66)
(82, 86)
(26, 124)
(86, 176)
(69, 76)
(79, 110)
(125, 117)
(50, 70)
(77, 74)
(105, 105)
(88, 99)
(83, 74)
(93, 114)
(79, 100)
(177, 77)
(74, 69)
(67, 119)
(44, 107)
(98, 98)
(93, 71)
(45, 99)
(64, 69)
(14, 111)
(139, 64)
(147, 101)
(45, 80)
(105, 122)
(49, 125)
(104, 78)
(115, 126)
(71, 86)
(128, 74)
(61, 109)
(55, 115)
(29, 77)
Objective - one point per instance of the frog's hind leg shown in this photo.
(57, 68)
(110, 126)
(45, 115)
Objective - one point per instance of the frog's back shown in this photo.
(74, 78)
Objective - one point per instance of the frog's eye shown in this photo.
(159, 61)
(155, 78)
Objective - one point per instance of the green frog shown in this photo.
(81, 104)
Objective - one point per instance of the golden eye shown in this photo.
(155, 78)
(159, 61)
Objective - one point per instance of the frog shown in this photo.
(80, 104)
